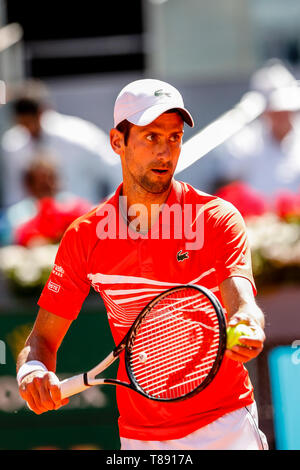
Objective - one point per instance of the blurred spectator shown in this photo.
(247, 200)
(44, 216)
(87, 165)
(287, 206)
(265, 154)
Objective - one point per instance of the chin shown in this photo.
(156, 187)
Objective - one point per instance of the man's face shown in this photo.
(150, 157)
(43, 182)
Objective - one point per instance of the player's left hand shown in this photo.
(252, 345)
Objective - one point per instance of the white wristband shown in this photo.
(29, 367)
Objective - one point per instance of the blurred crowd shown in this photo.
(56, 167)
(258, 169)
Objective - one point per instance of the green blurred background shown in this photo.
(90, 419)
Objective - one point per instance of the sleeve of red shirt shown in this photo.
(67, 286)
(233, 255)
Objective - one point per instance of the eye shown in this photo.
(150, 137)
(175, 138)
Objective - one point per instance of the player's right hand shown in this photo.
(41, 391)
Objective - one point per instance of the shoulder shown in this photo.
(211, 203)
(85, 227)
(216, 211)
(85, 223)
(80, 238)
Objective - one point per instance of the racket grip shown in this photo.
(72, 385)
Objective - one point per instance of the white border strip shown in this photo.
(2, 92)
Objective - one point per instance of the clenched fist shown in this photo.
(41, 391)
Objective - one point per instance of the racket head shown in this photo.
(178, 370)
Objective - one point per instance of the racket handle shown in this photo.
(72, 385)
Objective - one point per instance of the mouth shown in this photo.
(160, 171)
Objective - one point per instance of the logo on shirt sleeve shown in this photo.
(58, 270)
(54, 287)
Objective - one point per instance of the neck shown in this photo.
(143, 207)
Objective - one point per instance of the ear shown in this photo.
(117, 141)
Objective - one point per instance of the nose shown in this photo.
(164, 150)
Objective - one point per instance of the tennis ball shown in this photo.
(234, 332)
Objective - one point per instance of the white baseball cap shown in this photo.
(272, 76)
(142, 101)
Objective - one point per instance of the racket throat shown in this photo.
(103, 381)
(85, 380)
(118, 382)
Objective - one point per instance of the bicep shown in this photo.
(49, 328)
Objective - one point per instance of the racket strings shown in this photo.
(176, 345)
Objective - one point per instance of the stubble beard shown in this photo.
(147, 181)
(154, 187)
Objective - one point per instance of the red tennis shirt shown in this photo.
(197, 239)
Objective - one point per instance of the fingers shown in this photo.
(250, 346)
(53, 387)
(251, 342)
(242, 354)
(41, 391)
(244, 318)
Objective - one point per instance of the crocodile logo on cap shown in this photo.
(161, 92)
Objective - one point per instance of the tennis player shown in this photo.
(128, 249)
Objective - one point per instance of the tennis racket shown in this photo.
(172, 351)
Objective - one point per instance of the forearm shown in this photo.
(38, 349)
(44, 340)
(40, 388)
(239, 300)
